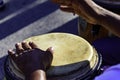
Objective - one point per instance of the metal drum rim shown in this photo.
(96, 68)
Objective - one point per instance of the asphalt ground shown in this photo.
(22, 19)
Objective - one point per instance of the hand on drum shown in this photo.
(30, 58)
(80, 7)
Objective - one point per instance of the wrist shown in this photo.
(33, 69)
(37, 75)
(90, 12)
(95, 11)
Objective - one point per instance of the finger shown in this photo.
(87, 18)
(33, 45)
(11, 53)
(25, 46)
(67, 9)
(19, 48)
(50, 50)
(49, 54)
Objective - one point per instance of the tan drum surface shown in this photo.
(71, 54)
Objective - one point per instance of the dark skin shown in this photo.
(31, 60)
(92, 13)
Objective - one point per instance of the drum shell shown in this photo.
(90, 75)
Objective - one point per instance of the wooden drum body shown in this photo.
(73, 59)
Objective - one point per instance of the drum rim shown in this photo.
(89, 75)
(91, 71)
(96, 68)
(9, 76)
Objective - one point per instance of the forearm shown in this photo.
(108, 19)
(37, 75)
(98, 15)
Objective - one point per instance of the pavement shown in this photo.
(22, 19)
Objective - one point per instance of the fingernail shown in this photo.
(51, 48)
(23, 41)
(9, 50)
(18, 43)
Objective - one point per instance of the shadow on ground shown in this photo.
(25, 18)
(13, 6)
(69, 27)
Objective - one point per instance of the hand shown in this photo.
(30, 58)
(80, 7)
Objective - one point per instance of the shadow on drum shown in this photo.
(76, 71)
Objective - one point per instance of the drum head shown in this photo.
(73, 57)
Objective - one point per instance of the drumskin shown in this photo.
(72, 54)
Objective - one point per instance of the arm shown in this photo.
(31, 60)
(92, 13)
(108, 19)
(37, 75)
(111, 22)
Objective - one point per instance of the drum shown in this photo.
(92, 32)
(73, 59)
